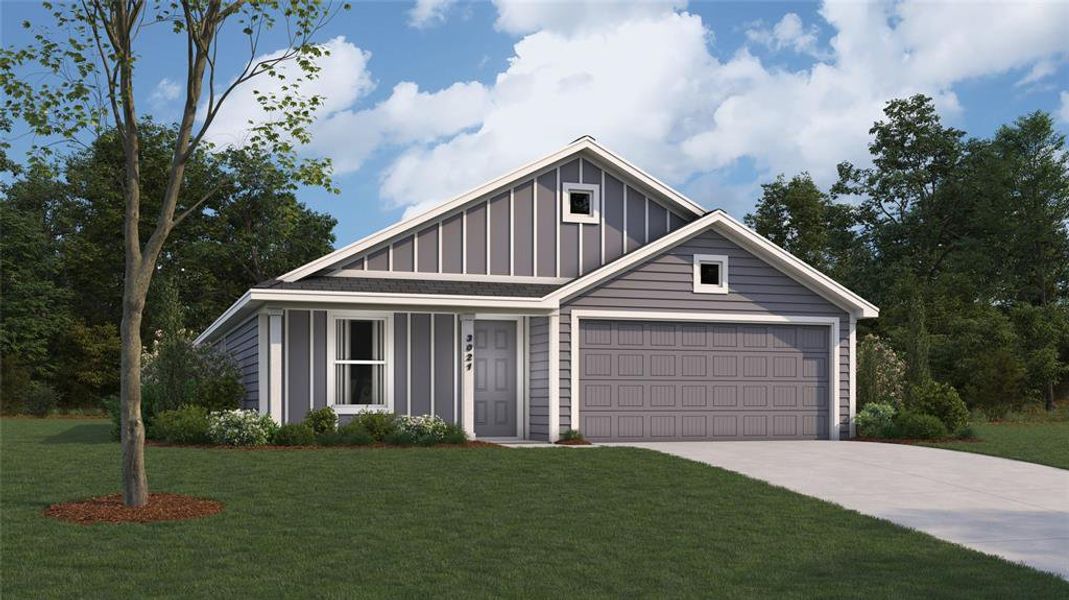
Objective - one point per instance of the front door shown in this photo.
(495, 378)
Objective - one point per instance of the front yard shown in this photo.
(1045, 443)
(475, 522)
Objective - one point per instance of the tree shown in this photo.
(803, 220)
(93, 55)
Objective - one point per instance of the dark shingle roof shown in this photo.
(414, 286)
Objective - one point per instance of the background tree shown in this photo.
(95, 58)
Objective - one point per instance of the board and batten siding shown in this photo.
(665, 283)
(241, 344)
(425, 363)
(517, 230)
(538, 378)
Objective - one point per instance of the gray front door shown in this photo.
(495, 378)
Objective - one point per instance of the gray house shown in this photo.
(575, 292)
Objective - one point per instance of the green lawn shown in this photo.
(469, 523)
(1043, 443)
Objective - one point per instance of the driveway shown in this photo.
(1012, 509)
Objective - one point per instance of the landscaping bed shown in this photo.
(110, 509)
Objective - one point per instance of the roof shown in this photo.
(585, 144)
(414, 286)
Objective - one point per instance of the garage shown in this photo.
(674, 381)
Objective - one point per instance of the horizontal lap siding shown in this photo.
(538, 396)
(521, 223)
(665, 283)
(242, 345)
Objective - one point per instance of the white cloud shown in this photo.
(1063, 110)
(165, 91)
(1039, 71)
(520, 17)
(428, 13)
(641, 78)
(788, 33)
(343, 80)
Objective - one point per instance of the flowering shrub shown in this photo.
(425, 430)
(876, 420)
(241, 428)
(880, 373)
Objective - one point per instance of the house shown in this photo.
(575, 292)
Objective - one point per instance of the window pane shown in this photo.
(710, 273)
(580, 202)
(360, 384)
(360, 340)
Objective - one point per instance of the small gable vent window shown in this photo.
(580, 203)
(710, 274)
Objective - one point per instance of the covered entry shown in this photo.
(692, 380)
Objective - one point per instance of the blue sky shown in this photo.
(429, 98)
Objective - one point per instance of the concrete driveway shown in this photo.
(1016, 510)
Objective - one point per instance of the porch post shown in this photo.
(554, 376)
(274, 360)
(467, 374)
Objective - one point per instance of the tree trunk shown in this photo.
(135, 483)
(1050, 396)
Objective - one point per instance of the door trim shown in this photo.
(521, 369)
(834, 346)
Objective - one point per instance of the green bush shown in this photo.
(876, 420)
(454, 434)
(241, 428)
(404, 437)
(41, 399)
(352, 433)
(941, 401)
(322, 420)
(185, 425)
(571, 435)
(880, 373)
(379, 425)
(967, 432)
(295, 434)
(917, 426)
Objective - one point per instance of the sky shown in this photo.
(427, 99)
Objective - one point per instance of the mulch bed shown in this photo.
(110, 509)
(573, 443)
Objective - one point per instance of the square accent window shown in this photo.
(710, 274)
(580, 203)
(359, 371)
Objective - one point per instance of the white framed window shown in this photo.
(580, 203)
(710, 274)
(360, 362)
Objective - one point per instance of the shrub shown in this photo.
(295, 434)
(322, 420)
(41, 399)
(941, 401)
(876, 420)
(403, 437)
(454, 434)
(967, 432)
(352, 433)
(185, 425)
(423, 426)
(240, 428)
(571, 435)
(379, 425)
(880, 373)
(916, 426)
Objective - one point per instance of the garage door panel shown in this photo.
(703, 381)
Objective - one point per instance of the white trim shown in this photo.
(467, 323)
(623, 237)
(450, 277)
(464, 242)
(311, 358)
(554, 377)
(832, 323)
(263, 365)
(521, 364)
(283, 295)
(556, 202)
(512, 231)
(223, 318)
(601, 257)
(853, 375)
(456, 367)
(646, 239)
(275, 367)
(486, 238)
(386, 318)
(526, 433)
(708, 288)
(782, 260)
(534, 227)
(433, 318)
(438, 229)
(408, 363)
(415, 252)
(287, 347)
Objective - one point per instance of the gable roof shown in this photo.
(413, 285)
(585, 144)
(750, 240)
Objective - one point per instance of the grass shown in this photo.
(472, 523)
(1043, 443)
